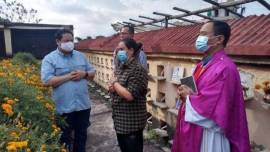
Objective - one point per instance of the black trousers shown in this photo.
(78, 122)
(132, 142)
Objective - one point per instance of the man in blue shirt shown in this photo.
(68, 72)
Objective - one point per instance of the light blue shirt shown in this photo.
(71, 95)
(143, 59)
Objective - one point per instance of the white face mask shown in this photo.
(68, 46)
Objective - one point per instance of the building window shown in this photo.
(89, 59)
(161, 97)
(101, 60)
(107, 77)
(160, 70)
(102, 77)
(106, 62)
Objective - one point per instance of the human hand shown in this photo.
(183, 91)
(112, 80)
(111, 89)
(77, 75)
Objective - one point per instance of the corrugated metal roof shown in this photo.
(249, 36)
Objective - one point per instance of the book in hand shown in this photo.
(190, 82)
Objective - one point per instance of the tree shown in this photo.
(13, 11)
(89, 37)
(99, 36)
(78, 39)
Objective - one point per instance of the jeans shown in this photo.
(78, 122)
(132, 142)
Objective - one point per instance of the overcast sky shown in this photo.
(94, 17)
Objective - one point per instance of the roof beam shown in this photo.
(186, 20)
(220, 6)
(264, 3)
(162, 14)
(228, 4)
(188, 12)
(149, 18)
(120, 23)
(143, 22)
(128, 23)
(167, 17)
(136, 21)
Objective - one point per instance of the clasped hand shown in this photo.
(111, 83)
(77, 75)
(183, 91)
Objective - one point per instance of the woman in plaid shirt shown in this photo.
(128, 88)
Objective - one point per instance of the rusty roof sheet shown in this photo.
(249, 36)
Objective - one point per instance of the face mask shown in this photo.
(122, 56)
(201, 43)
(68, 46)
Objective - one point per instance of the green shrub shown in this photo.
(24, 58)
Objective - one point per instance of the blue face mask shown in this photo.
(122, 56)
(201, 43)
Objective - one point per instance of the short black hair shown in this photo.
(131, 43)
(222, 28)
(130, 28)
(59, 34)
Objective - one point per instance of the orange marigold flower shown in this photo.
(11, 148)
(10, 101)
(18, 144)
(7, 109)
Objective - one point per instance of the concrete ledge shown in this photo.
(159, 78)
(175, 82)
(160, 105)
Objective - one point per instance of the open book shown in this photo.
(190, 82)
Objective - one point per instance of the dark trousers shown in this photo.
(132, 142)
(78, 122)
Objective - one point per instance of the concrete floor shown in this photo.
(101, 134)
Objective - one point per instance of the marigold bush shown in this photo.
(27, 117)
